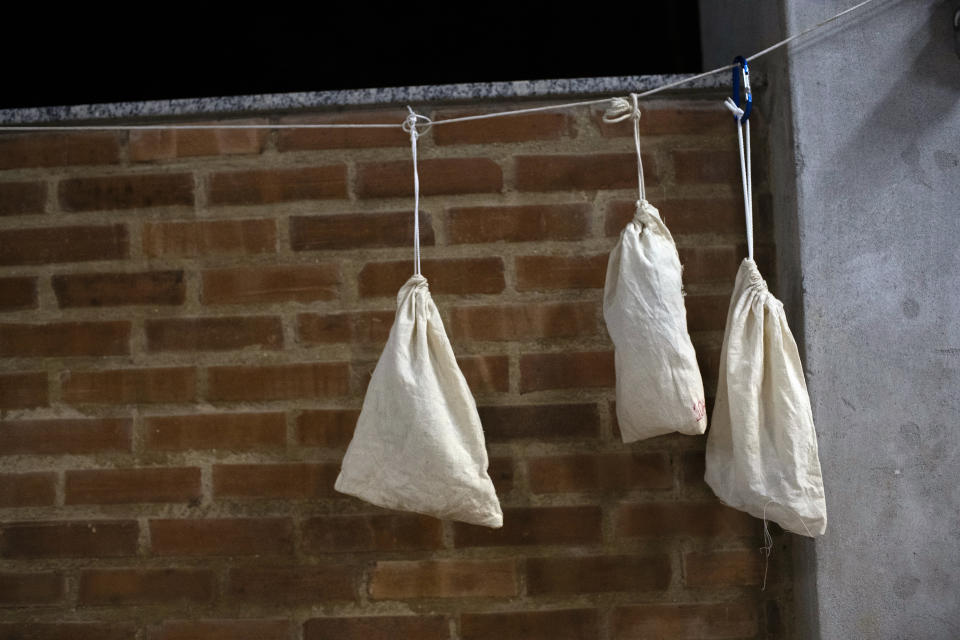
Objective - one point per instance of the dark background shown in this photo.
(112, 54)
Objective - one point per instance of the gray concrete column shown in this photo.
(865, 170)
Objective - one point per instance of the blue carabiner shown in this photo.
(742, 69)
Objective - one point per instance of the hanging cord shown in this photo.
(410, 125)
(557, 107)
(619, 111)
(767, 547)
(746, 173)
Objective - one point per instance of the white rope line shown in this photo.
(746, 176)
(484, 116)
(410, 125)
(620, 111)
(141, 127)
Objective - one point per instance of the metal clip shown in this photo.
(742, 70)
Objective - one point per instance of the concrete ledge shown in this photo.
(388, 96)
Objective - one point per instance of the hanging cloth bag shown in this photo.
(762, 447)
(659, 387)
(418, 444)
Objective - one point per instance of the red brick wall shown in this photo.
(189, 320)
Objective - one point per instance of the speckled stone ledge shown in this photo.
(388, 96)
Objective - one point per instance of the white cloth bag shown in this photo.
(659, 387)
(418, 445)
(762, 447)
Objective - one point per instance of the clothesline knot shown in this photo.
(621, 109)
(734, 109)
(410, 123)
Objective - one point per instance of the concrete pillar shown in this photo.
(866, 174)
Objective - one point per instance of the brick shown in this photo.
(331, 428)
(358, 231)
(297, 480)
(18, 293)
(708, 359)
(534, 526)
(544, 421)
(227, 431)
(707, 167)
(530, 321)
(540, 371)
(706, 313)
(214, 334)
(121, 486)
(693, 469)
(35, 489)
(74, 436)
(137, 587)
(686, 120)
(684, 215)
(240, 629)
(67, 631)
(683, 519)
(69, 539)
(266, 186)
(597, 574)
(438, 176)
(500, 470)
(221, 537)
(279, 382)
(63, 244)
(58, 149)
(352, 327)
(523, 223)
(280, 283)
(119, 289)
(343, 138)
(300, 585)
(130, 386)
(132, 191)
(599, 472)
(486, 374)
(684, 621)
(454, 276)
(64, 339)
(547, 273)
(557, 624)
(582, 172)
(739, 567)
(709, 264)
(23, 390)
(412, 579)
(378, 532)
(518, 128)
(20, 589)
(168, 144)
(421, 627)
(209, 237)
(21, 198)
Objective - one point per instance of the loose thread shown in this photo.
(767, 547)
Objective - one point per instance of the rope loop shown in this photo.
(734, 109)
(621, 109)
(410, 123)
